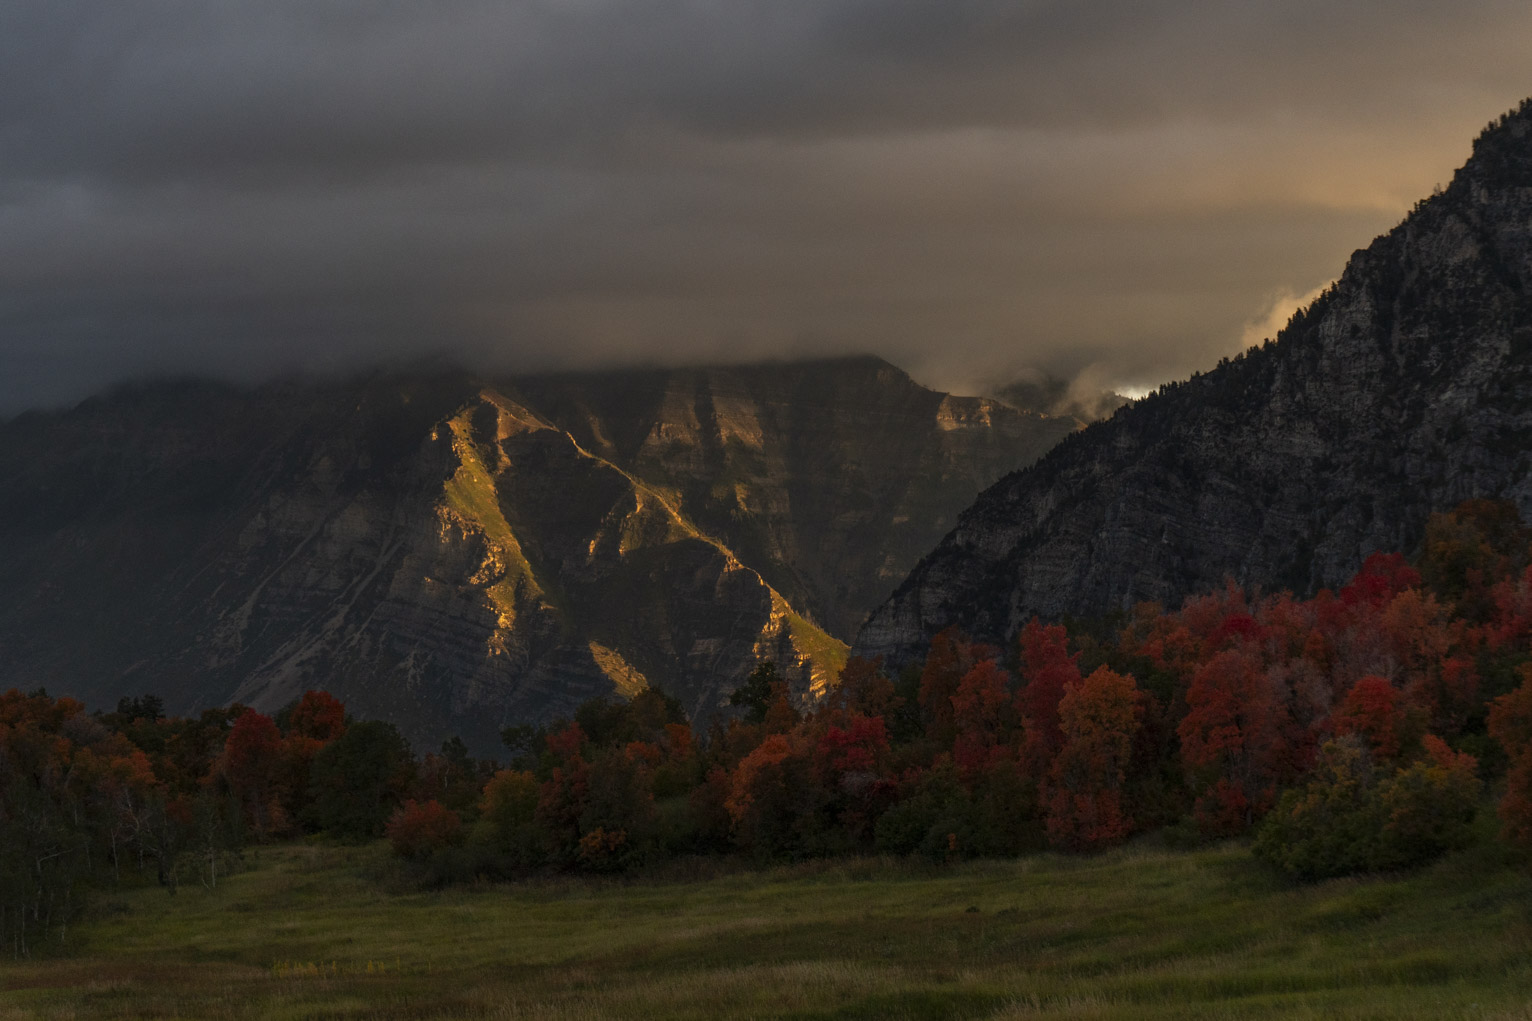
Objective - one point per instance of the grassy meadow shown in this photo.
(312, 932)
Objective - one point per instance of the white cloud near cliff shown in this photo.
(1276, 313)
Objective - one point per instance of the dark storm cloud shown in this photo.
(969, 187)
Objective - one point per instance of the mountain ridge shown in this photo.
(458, 552)
(1404, 388)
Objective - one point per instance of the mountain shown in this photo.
(830, 478)
(1056, 397)
(1404, 389)
(457, 554)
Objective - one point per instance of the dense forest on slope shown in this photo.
(1404, 389)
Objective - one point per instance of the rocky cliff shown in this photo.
(1404, 389)
(457, 554)
(831, 478)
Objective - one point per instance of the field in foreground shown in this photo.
(304, 933)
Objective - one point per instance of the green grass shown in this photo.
(308, 932)
(827, 655)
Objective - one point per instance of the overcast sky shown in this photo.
(971, 188)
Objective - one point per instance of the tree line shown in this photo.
(97, 799)
(1356, 730)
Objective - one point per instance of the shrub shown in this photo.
(603, 850)
(934, 817)
(507, 819)
(1428, 807)
(1346, 820)
(419, 829)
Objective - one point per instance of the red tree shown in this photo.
(770, 794)
(860, 746)
(983, 715)
(1231, 741)
(419, 828)
(1371, 709)
(1047, 669)
(863, 688)
(950, 658)
(318, 715)
(252, 764)
(567, 744)
(1510, 723)
(1083, 796)
(1383, 576)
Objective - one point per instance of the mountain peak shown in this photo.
(1404, 389)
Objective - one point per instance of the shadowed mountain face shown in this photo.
(1404, 389)
(456, 554)
(831, 478)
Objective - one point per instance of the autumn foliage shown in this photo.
(1353, 730)
(1203, 717)
(419, 828)
(91, 798)
(1084, 797)
(1510, 722)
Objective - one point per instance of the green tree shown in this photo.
(359, 779)
(507, 823)
(756, 694)
(1348, 819)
